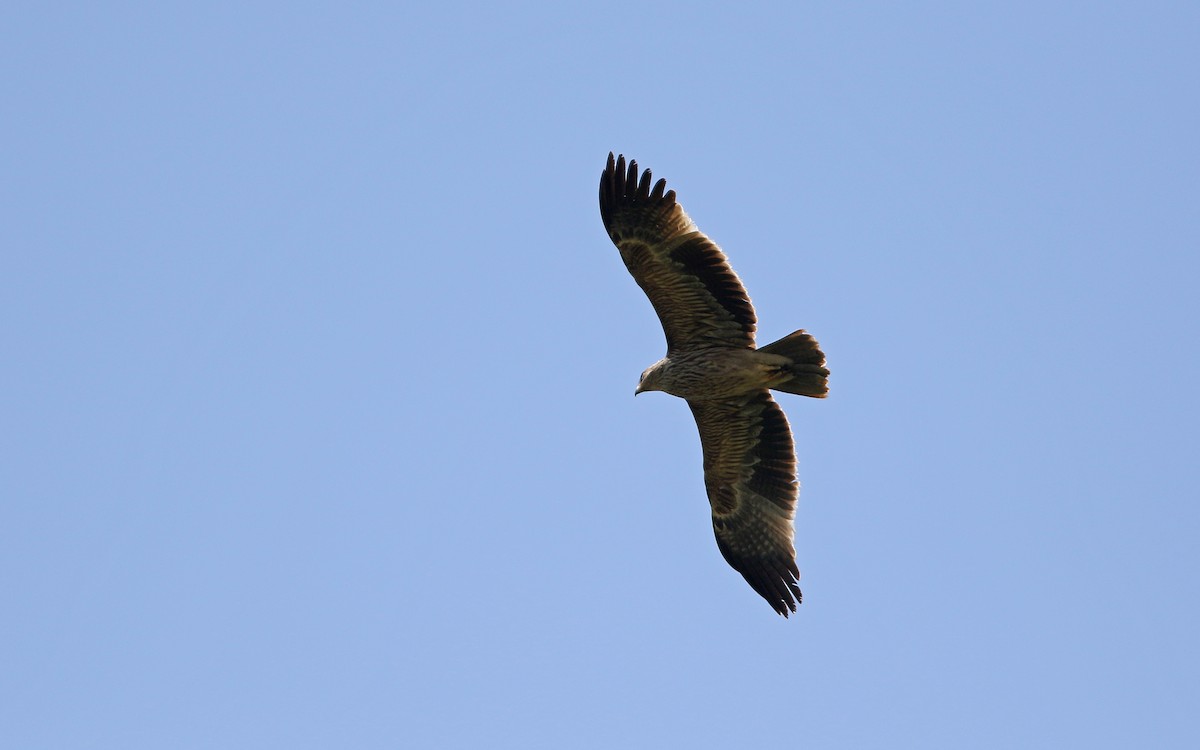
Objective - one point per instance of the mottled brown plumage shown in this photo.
(749, 458)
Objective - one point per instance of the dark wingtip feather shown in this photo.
(643, 188)
(612, 186)
(780, 591)
(774, 579)
(622, 187)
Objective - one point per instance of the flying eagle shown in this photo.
(749, 458)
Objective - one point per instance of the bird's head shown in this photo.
(649, 379)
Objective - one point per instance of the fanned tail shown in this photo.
(808, 375)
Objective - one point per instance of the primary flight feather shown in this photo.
(749, 458)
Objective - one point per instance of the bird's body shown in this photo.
(712, 362)
(706, 374)
(716, 373)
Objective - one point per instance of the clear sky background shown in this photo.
(317, 371)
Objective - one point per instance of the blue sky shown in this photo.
(317, 386)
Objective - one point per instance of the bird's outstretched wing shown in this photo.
(749, 472)
(699, 299)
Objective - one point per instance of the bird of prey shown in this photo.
(749, 458)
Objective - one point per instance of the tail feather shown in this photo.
(808, 375)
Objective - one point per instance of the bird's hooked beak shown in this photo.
(643, 381)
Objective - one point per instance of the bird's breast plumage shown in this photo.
(706, 374)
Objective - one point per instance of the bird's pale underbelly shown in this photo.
(719, 373)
